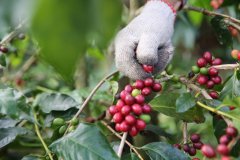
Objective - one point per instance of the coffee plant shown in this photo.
(55, 102)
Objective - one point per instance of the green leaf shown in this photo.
(55, 102)
(231, 101)
(32, 157)
(219, 126)
(221, 29)
(185, 102)
(130, 156)
(3, 61)
(165, 104)
(7, 135)
(64, 34)
(231, 87)
(157, 130)
(164, 151)
(7, 122)
(235, 151)
(85, 143)
(13, 104)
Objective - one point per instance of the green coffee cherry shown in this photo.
(175, 78)
(195, 69)
(204, 70)
(74, 121)
(146, 118)
(62, 129)
(177, 85)
(169, 69)
(136, 92)
(58, 122)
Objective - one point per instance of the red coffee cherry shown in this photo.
(195, 158)
(130, 119)
(202, 79)
(140, 99)
(225, 158)
(124, 126)
(146, 91)
(128, 88)
(147, 68)
(112, 110)
(126, 110)
(123, 94)
(201, 62)
(137, 109)
(3, 49)
(157, 87)
(217, 61)
(117, 127)
(140, 125)
(139, 84)
(192, 151)
(117, 118)
(214, 94)
(129, 99)
(195, 138)
(178, 146)
(133, 131)
(217, 79)
(210, 84)
(213, 71)
(223, 149)
(119, 105)
(224, 139)
(186, 148)
(198, 145)
(208, 151)
(149, 82)
(207, 56)
(146, 108)
(231, 131)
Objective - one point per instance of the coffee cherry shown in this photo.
(140, 99)
(234, 31)
(178, 146)
(123, 94)
(217, 79)
(235, 53)
(192, 151)
(214, 94)
(124, 127)
(231, 131)
(186, 148)
(204, 70)
(225, 158)
(222, 149)
(217, 61)
(119, 105)
(213, 71)
(128, 88)
(139, 84)
(137, 109)
(191, 75)
(195, 158)
(117, 127)
(224, 139)
(130, 119)
(126, 110)
(210, 84)
(140, 125)
(157, 87)
(202, 79)
(112, 110)
(195, 69)
(169, 69)
(146, 108)
(117, 118)
(129, 100)
(198, 145)
(239, 56)
(214, 4)
(147, 68)
(133, 131)
(195, 138)
(175, 78)
(62, 129)
(146, 91)
(58, 122)
(74, 121)
(145, 117)
(232, 108)
(201, 62)
(149, 82)
(208, 151)
(136, 92)
(3, 49)
(207, 56)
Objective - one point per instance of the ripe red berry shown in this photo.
(207, 56)
(129, 99)
(195, 138)
(222, 149)
(224, 139)
(217, 61)
(133, 131)
(157, 87)
(117, 118)
(231, 131)
(148, 68)
(3, 49)
(225, 158)
(214, 4)
(214, 94)
(139, 84)
(140, 99)
(124, 126)
(126, 110)
(208, 151)
(232, 108)
(130, 119)
(112, 110)
(140, 125)
(123, 94)
(201, 62)
(146, 108)
(186, 148)
(119, 105)
(213, 71)
(235, 53)
(137, 109)
(198, 145)
(146, 91)
(210, 84)
(202, 79)
(178, 146)
(238, 56)
(192, 151)
(117, 127)
(217, 79)
(128, 88)
(149, 82)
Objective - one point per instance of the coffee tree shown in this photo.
(55, 102)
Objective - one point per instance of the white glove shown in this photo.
(146, 40)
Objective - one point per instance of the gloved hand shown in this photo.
(146, 40)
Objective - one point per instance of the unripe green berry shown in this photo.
(195, 69)
(169, 69)
(177, 85)
(175, 78)
(74, 121)
(204, 70)
(72, 128)
(62, 129)
(146, 118)
(136, 92)
(58, 122)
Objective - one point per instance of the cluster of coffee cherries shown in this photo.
(61, 125)
(192, 147)
(216, 3)
(131, 113)
(236, 54)
(208, 75)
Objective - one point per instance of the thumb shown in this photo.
(147, 50)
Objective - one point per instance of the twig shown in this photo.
(41, 139)
(90, 96)
(26, 66)
(118, 135)
(121, 146)
(210, 13)
(227, 66)
(232, 24)
(185, 133)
